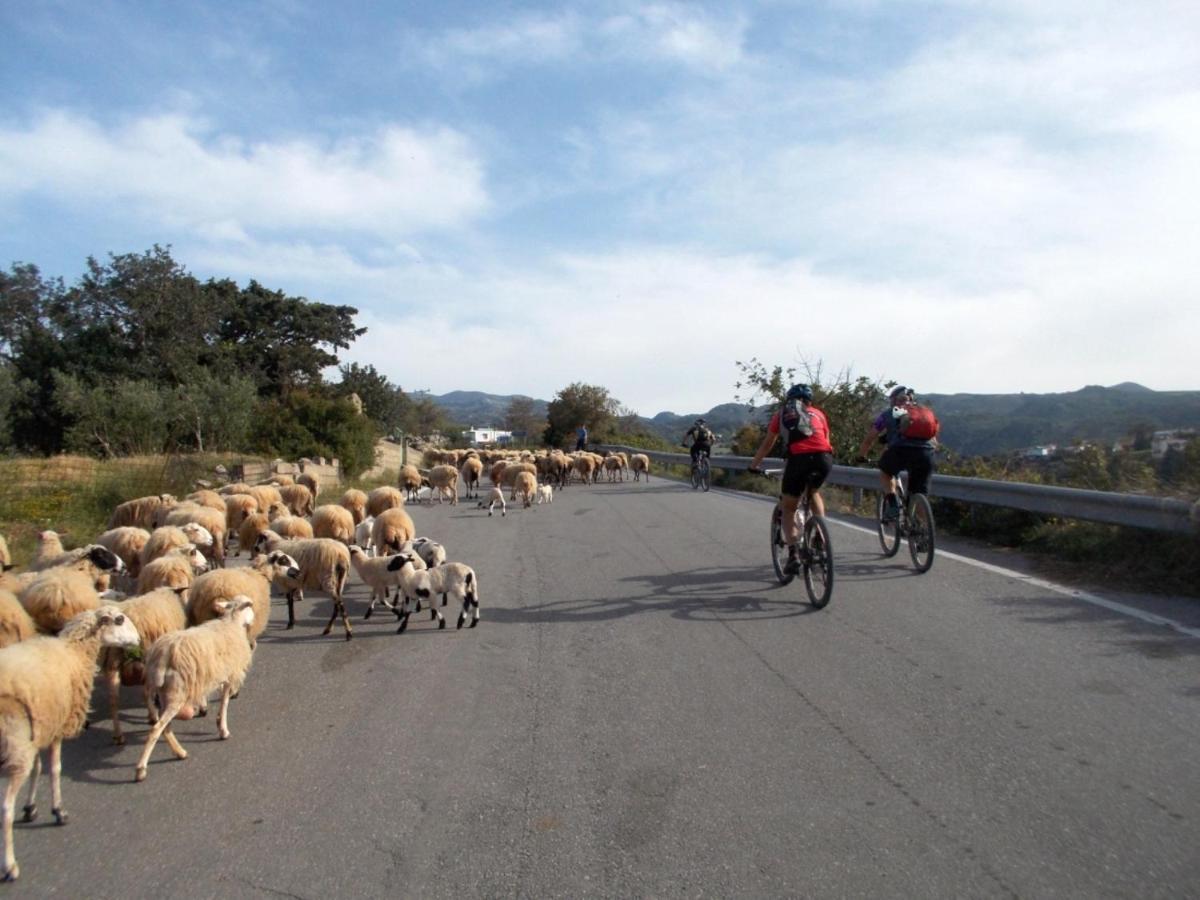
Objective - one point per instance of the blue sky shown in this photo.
(962, 195)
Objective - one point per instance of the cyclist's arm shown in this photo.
(872, 437)
(768, 443)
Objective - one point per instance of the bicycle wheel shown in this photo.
(705, 474)
(695, 476)
(921, 537)
(818, 565)
(779, 552)
(889, 532)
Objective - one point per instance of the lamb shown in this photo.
(292, 527)
(355, 501)
(184, 667)
(50, 551)
(332, 520)
(449, 578)
(443, 479)
(410, 481)
(127, 542)
(431, 552)
(545, 494)
(525, 487)
(472, 471)
(15, 623)
(374, 574)
(324, 566)
(171, 537)
(153, 614)
(140, 511)
(177, 569)
(640, 463)
(45, 687)
(391, 529)
(383, 498)
(362, 535)
(254, 582)
(496, 496)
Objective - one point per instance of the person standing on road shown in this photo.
(581, 437)
(809, 460)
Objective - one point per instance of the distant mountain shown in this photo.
(972, 424)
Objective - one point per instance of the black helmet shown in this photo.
(699, 421)
(899, 390)
(800, 392)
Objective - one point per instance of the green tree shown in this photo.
(747, 440)
(119, 418)
(580, 404)
(308, 424)
(520, 418)
(383, 402)
(213, 413)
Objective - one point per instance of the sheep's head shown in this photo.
(400, 560)
(198, 534)
(197, 559)
(104, 559)
(107, 622)
(239, 608)
(284, 565)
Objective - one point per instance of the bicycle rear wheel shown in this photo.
(779, 553)
(705, 474)
(818, 565)
(889, 532)
(921, 535)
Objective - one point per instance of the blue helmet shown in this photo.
(800, 392)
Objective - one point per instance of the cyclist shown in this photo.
(902, 453)
(702, 441)
(809, 460)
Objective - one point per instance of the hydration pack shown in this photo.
(919, 423)
(796, 420)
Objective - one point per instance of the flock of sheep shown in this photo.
(151, 602)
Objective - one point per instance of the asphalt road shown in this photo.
(643, 711)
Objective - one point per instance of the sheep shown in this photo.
(615, 467)
(184, 667)
(127, 542)
(585, 466)
(512, 470)
(324, 566)
(443, 479)
(374, 574)
(545, 494)
(207, 498)
(449, 578)
(177, 569)
(171, 537)
(292, 527)
(236, 487)
(495, 496)
(280, 480)
(153, 614)
(332, 520)
(56, 595)
(391, 529)
(252, 526)
(640, 463)
(6, 562)
(237, 508)
(409, 481)
(297, 498)
(383, 498)
(362, 535)
(45, 687)
(265, 495)
(472, 471)
(207, 518)
(15, 623)
(431, 552)
(525, 487)
(50, 552)
(140, 511)
(311, 480)
(254, 582)
(355, 501)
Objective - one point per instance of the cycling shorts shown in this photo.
(918, 461)
(806, 470)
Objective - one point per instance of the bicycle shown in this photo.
(914, 522)
(702, 472)
(815, 548)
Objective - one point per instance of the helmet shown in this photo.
(800, 392)
(699, 421)
(898, 391)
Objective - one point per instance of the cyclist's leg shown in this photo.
(891, 464)
(920, 467)
(695, 451)
(819, 467)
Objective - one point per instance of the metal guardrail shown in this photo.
(1136, 510)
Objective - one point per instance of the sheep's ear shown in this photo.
(181, 592)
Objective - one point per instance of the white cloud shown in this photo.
(176, 170)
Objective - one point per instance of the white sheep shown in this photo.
(640, 463)
(324, 566)
(254, 582)
(171, 537)
(545, 494)
(140, 511)
(127, 542)
(184, 667)
(15, 623)
(45, 687)
(431, 552)
(177, 569)
(449, 578)
(375, 574)
(391, 529)
(6, 562)
(362, 535)
(496, 495)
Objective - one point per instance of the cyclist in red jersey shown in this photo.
(809, 460)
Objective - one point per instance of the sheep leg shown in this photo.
(155, 733)
(291, 598)
(34, 773)
(113, 677)
(223, 712)
(19, 765)
(60, 814)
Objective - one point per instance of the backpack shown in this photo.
(796, 420)
(704, 435)
(919, 423)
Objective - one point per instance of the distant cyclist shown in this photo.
(809, 460)
(910, 441)
(702, 440)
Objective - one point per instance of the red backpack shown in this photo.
(919, 423)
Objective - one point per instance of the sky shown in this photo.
(985, 196)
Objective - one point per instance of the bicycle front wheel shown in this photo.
(779, 553)
(695, 476)
(818, 564)
(889, 532)
(705, 475)
(921, 538)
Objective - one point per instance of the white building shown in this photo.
(477, 437)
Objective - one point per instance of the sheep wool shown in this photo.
(384, 498)
(392, 528)
(127, 542)
(58, 595)
(139, 512)
(15, 623)
(332, 520)
(355, 501)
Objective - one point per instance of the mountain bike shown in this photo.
(815, 549)
(702, 472)
(915, 522)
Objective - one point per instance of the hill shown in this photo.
(972, 424)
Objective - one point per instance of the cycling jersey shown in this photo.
(817, 442)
